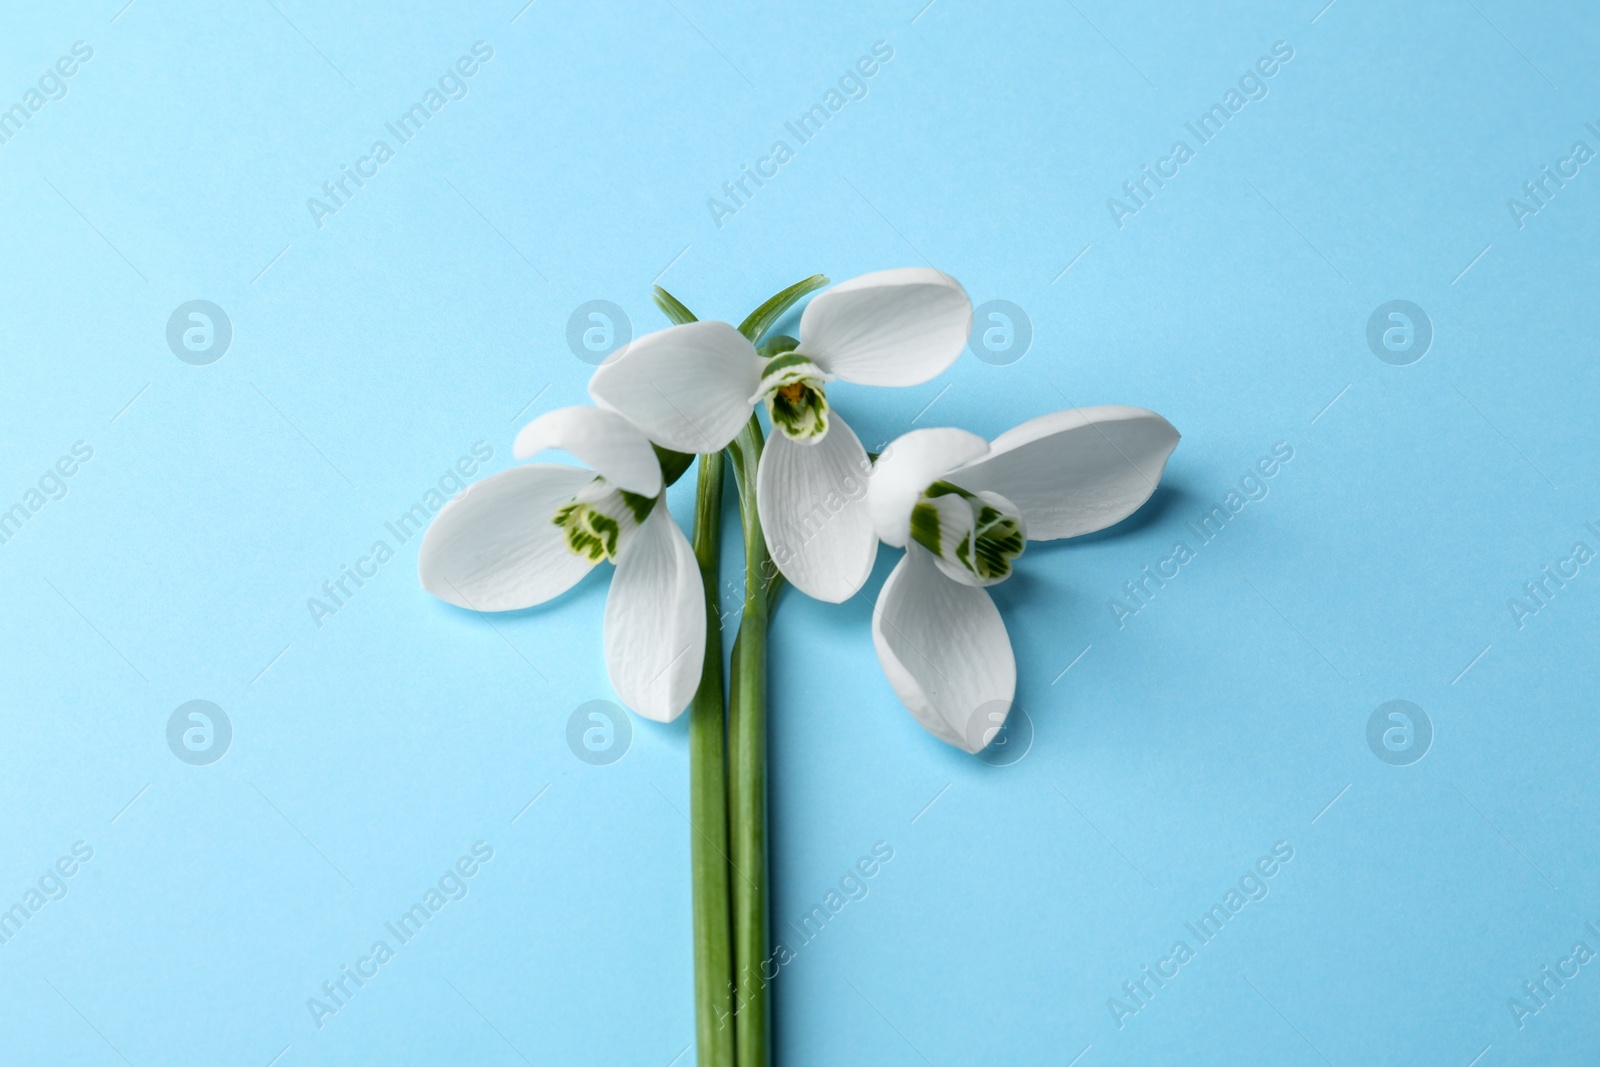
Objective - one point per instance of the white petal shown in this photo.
(655, 628)
(688, 387)
(602, 440)
(945, 651)
(893, 327)
(1073, 472)
(494, 548)
(909, 465)
(813, 504)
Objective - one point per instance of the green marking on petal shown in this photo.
(599, 518)
(638, 504)
(589, 534)
(925, 528)
(787, 361)
(981, 534)
(942, 488)
(995, 542)
(792, 389)
(800, 411)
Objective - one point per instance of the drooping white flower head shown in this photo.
(963, 508)
(530, 533)
(693, 387)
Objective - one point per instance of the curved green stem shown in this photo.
(708, 797)
(747, 787)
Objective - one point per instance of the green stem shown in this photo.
(708, 797)
(747, 787)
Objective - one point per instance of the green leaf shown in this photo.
(762, 318)
(672, 307)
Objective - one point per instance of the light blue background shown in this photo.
(430, 313)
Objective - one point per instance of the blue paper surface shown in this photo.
(202, 889)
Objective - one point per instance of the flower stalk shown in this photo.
(708, 797)
(747, 786)
(708, 770)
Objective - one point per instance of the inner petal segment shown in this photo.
(792, 389)
(974, 537)
(600, 520)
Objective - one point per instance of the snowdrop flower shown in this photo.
(693, 387)
(528, 534)
(964, 509)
